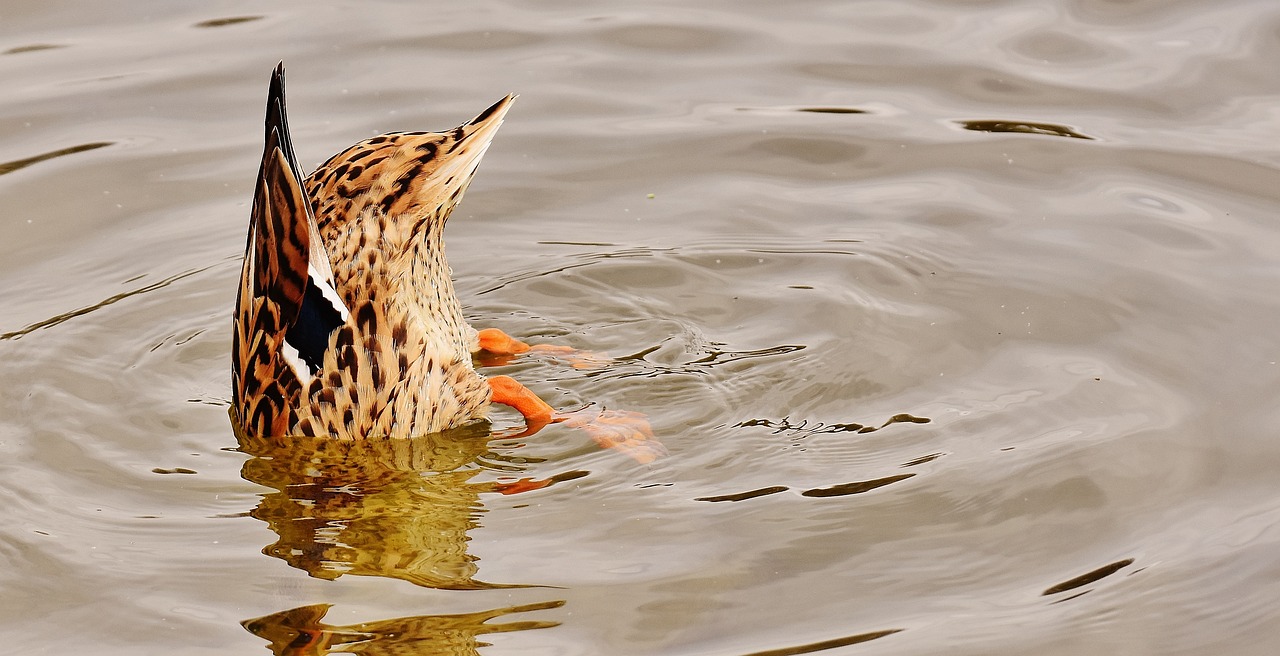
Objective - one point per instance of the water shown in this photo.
(955, 319)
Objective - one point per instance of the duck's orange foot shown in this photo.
(575, 358)
(498, 348)
(624, 430)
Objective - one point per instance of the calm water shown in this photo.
(957, 319)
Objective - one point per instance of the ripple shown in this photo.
(669, 39)
(1088, 577)
(805, 428)
(824, 645)
(224, 22)
(115, 298)
(486, 40)
(856, 487)
(15, 165)
(35, 47)
(833, 110)
(827, 246)
(1049, 129)
(749, 494)
(815, 150)
(1059, 47)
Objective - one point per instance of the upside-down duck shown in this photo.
(346, 322)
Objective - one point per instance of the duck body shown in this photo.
(346, 323)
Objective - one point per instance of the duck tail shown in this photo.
(287, 307)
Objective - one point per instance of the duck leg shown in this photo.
(508, 391)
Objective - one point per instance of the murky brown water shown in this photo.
(957, 318)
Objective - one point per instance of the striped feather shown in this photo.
(282, 288)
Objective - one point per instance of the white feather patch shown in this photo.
(328, 292)
(294, 360)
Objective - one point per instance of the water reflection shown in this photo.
(832, 110)
(1087, 578)
(395, 508)
(17, 50)
(18, 164)
(301, 632)
(804, 428)
(824, 645)
(223, 22)
(1024, 127)
(115, 298)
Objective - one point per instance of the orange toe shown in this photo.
(496, 341)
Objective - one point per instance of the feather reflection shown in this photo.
(301, 632)
(398, 508)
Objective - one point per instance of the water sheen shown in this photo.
(957, 321)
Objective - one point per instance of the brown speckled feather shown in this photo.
(411, 180)
(347, 324)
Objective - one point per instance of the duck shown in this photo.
(346, 323)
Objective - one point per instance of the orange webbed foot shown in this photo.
(498, 348)
(624, 430)
(576, 358)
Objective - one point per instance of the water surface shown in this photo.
(956, 320)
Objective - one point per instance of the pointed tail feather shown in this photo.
(286, 308)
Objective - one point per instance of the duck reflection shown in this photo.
(300, 632)
(398, 508)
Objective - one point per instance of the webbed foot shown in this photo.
(624, 430)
